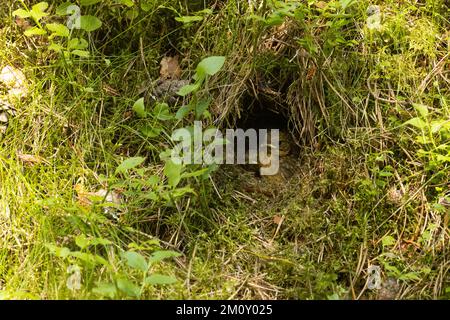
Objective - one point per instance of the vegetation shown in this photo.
(91, 207)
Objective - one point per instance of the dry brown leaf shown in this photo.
(110, 90)
(170, 68)
(278, 219)
(31, 159)
(321, 4)
(22, 23)
(311, 73)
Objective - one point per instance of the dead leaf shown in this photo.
(311, 73)
(110, 90)
(31, 159)
(278, 220)
(170, 68)
(22, 23)
(321, 4)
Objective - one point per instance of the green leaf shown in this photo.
(189, 19)
(38, 11)
(184, 91)
(90, 258)
(135, 260)
(173, 172)
(151, 132)
(129, 164)
(58, 29)
(128, 3)
(81, 53)
(346, 3)
(35, 31)
(159, 279)
(158, 256)
(128, 287)
(76, 43)
(100, 241)
(410, 276)
(153, 180)
(90, 23)
(89, 2)
(417, 122)
(21, 13)
(55, 47)
(195, 173)
(146, 5)
(162, 112)
(183, 112)
(61, 10)
(105, 289)
(60, 252)
(388, 241)
(210, 65)
(139, 108)
(201, 107)
(82, 241)
(421, 109)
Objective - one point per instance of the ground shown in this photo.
(90, 207)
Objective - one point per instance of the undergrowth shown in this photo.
(90, 208)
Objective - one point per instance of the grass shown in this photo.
(364, 194)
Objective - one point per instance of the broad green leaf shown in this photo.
(151, 132)
(139, 108)
(90, 258)
(100, 241)
(388, 241)
(146, 6)
(162, 112)
(55, 47)
(89, 2)
(416, 122)
(58, 29)
(173, 172)
(129, 164)
(195, 173)
(81, 53)
(189, 19)
(82, 241)
(421, 109)
(153, 180)
(90, 23)
(128, 287)
(210, 65)
(38, 11)
(62, 9)
(410, 276)
(346, 3)
(21, 13)
(128, 3)
(106, 290)
(135, 260)
(60, 252)
(183, 112)
(158, 256)
(441, 158)
(78, 44)
(441, 125)
(184, 91)
(159, 279)
(201, 107)
(181, 192)
(35, 31)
